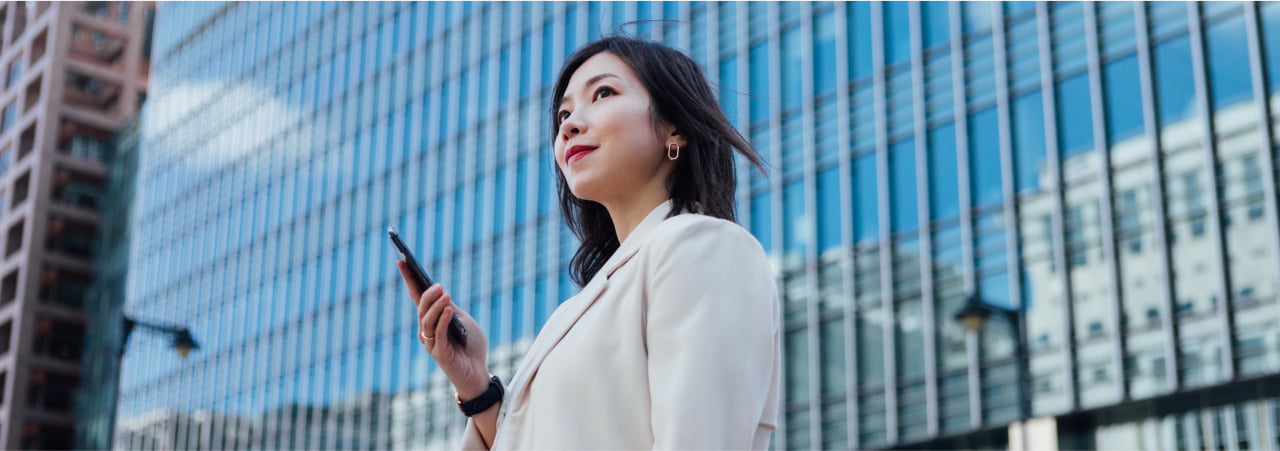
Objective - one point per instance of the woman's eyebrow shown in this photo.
(590, 82)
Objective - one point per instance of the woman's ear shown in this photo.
(677, 138)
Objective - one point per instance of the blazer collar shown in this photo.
(636, 240)
(568, 313)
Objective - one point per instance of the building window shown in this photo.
(13, 240)
(9, 288)
(6, 337)
(1075, 125)
(97, 9)
(1175, 88)
(15, 72)
(10, 117)
(1228, 60)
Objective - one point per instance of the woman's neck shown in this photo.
(629, 212)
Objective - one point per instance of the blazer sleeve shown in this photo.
(712, 331)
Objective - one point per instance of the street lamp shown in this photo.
(180, 337)
(974, 315)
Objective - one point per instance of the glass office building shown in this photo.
(1106, 169)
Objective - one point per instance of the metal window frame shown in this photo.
(1151, 130)
(772, 42)
(1052, 156)
(848, 270)
(969, 273)
(929, 324)
(1106, 208)
(1253, 31)
(811, 206)
(885, 239)
(1213, 205)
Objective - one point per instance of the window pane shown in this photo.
(759, 82)
(910, 339)
(570, 29)
(824, 53)
(902, 168)
(984, 158)
(1175, 88)
(833, 362)
(871, 348)
(944, 184)
(829, 226)
(549, 65)
(1123, 99)
(1075, 124)
(1028, 142)
(976, 16)
(796, 220)
(1271, 36)
(797, 366)
(859, 31)
(729, 88)
(866, 216)
(1228, 60)
(897, 32)
(791, 50)
(526, 58)
(761, 217)
(937, 23)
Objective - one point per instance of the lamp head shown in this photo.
(184, 342)
(974, 314)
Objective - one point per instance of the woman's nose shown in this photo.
(571, 126)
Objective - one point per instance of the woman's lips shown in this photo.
(577, 152)
(578, 156)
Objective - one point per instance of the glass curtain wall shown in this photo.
(1108, 170)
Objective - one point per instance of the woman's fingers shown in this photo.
(428, 320)
(442, 323)
(410, 282)
(427, 298)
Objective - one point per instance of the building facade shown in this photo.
(1108, 170)
(95, 402)
(74, 73)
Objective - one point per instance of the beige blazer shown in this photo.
(675, 343)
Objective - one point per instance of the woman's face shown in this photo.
(607, 145)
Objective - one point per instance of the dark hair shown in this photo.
(703, 180)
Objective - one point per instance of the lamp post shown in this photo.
(974, 315)
(181, 338)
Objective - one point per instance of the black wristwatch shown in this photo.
(491, 396)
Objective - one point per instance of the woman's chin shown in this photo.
(584, 190)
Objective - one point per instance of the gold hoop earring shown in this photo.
(673, 152)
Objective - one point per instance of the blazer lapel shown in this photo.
(570, 311)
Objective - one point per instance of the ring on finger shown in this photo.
(424, 336)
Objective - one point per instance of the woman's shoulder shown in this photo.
(715, 232)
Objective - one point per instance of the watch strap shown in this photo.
(481, 403)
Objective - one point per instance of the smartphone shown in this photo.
(457, 333)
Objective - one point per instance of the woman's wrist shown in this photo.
(474, 388)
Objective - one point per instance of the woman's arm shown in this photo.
(465, 366)
(483, 425)
(712, 331)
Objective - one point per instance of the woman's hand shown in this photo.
(464, 366)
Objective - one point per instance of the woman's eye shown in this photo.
(564, 114)
(604, 92)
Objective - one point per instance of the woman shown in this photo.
(674, 339)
